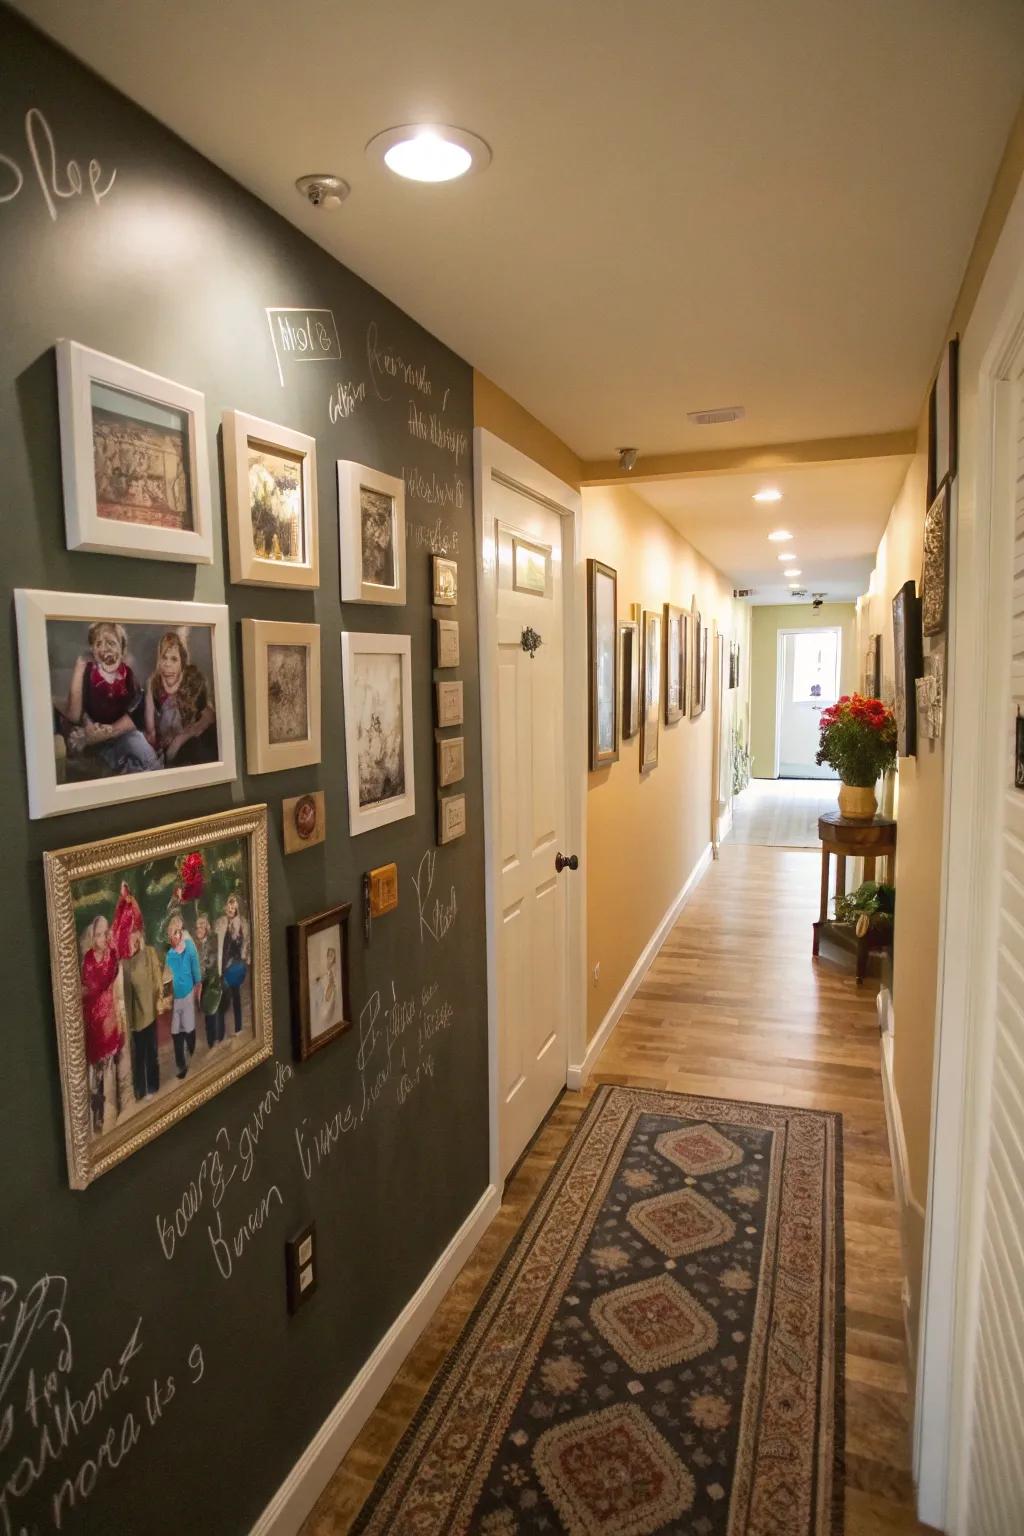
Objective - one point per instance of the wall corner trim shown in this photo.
(300, 1490)
(578, 1072)
(905, 1200)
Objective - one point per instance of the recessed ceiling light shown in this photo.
(794, 586)
(770, 493)
(792, 573)
(790, 554)
(780, 535)
(430, 151)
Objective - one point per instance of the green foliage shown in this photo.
(873, 900)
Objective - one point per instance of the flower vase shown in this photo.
(857, 802)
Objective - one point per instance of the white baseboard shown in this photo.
(900, 1172)
(310, 1475)
(578, 1072)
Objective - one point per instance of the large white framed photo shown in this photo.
(133, 452)
(122, 698)
(377, 679)
(270, 481)
(371, 534)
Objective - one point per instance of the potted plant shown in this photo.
(869, 909)
(858, 740)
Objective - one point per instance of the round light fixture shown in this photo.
(780, 536)
(794, 586)
(430, 151)
(790, 554)
(770, 493)
(792, 573)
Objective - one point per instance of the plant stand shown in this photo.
(869, 840)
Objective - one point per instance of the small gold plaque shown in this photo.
(383, 889)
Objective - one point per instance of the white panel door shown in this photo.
(530, 735)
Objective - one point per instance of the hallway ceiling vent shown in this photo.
(744, 591)
(716, 417)
(800, 593)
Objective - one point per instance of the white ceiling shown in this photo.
(690, 205)
(835, 512)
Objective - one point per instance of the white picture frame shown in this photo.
(281, 669)
(451, 818)
(249, 566)
(449, 700)
(79, 370)
(444, 582)
(446, 632)
(380, 770)
(372, 571)
(50, 793)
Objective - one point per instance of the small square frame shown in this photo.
(352, 479)
(441, 568)
(261, 754)
(299, 935)
(451, 818)
(455, 771)
(448, 696)
(240, 432)
(446, 638)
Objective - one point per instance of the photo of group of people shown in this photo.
(130, 698)
(166, 957)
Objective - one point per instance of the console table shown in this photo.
(867, 840)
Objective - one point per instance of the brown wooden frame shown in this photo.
(595, 570)
(674, 615)
(298, 941)
(629, 677)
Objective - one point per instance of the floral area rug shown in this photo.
(660, 1350)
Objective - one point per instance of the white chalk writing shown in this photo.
(346, 399)
(438, 537)
(54, 184)
(429, 428)
(433, 491)
(303, 336)
(437, 917)
(386, 364)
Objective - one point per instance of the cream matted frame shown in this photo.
(447, 648)
(451, 818)
(247, 567)
(34, 609)
(353, 644)
(68, 865)
(455, 771)
(352, 478)
(261, 754)
(77, 368)
(448, 697)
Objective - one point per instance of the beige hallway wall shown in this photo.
(766, 622)
(645, 835)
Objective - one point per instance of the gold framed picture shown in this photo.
(446, 582)
(383, 889)
(160, 957)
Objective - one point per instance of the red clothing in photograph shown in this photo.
(106, 700)
(102, 1032)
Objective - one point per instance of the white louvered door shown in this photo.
(996, 1488)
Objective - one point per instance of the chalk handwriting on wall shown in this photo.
(54, 185)
(386, 365)
(429, 428)
(440, 538)
(431, 490)
(346, 399)
(437, 916)
(303, 336)
(75, 1434)
(233, 1151)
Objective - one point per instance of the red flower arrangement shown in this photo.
(858, 739)
(191, 872)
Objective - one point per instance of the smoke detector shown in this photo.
(324, 191)
(628, 458)
(716, 417)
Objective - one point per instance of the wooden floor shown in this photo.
(733, 1005)
(782, 813)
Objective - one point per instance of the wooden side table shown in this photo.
(869, 840)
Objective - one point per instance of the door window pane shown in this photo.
(816, 667)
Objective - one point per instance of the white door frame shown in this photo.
(496, 461)
(979, 645)
(780, 670)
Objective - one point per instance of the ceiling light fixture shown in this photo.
(790, 554)
(430, 152)
(779, 536)
(770, 493)
(793, 573)
(628, 458)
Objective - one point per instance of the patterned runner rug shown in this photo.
(661, 1348)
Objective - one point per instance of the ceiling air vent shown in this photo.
(717, 417)
(801, 593)
(744, 591)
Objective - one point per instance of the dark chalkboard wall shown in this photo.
(173, 269)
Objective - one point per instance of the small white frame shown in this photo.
(78, 368)
(246, 566)
(447, 650)
(352, 479)
(34, 609)
(354, 643)
(261, 754)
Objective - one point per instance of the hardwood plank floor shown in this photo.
(734, 1005)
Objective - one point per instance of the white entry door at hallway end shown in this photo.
(529, 845)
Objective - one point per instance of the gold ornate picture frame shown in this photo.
(142, 1039)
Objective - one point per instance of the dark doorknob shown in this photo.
(572, 862)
